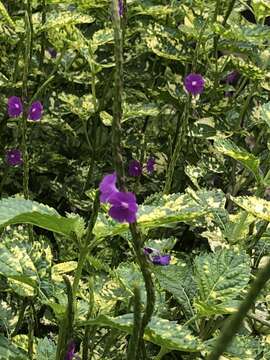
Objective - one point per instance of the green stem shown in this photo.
(66, 325)
(133, 349)
(20, 318)
(30, 335)
(177, 150)
(87, 330)
(234, 322)
(87, 243)
(118, 91)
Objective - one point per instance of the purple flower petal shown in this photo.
(150, 165)
(232, 77)
(134, 168)
(194, 83)
(14, 157)
(15, 107)
(35, 111)
(70, 351)
(120, 8)
(52, 52)
(162, 260)
(124, 207)
(148, 250)
(108, 187)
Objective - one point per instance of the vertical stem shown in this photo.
(66, 325)
(85, 247)
(133, 348)
(43, 36)
(234, 322)
(177, 149)
(117, 104)
(137, 240)
(31, 334)
(87, 331)
(27, 61)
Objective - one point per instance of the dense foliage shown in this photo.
(134, 179)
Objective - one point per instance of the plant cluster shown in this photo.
(134, 179)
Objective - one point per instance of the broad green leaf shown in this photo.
(46, 349)
(221, 279)
(159, 331)
(260, 208)
(21, 211)
(177, 279)
(242, 347)
(165, 43)
(82, 106)
(168, 209)
(61, 19)
(58, 270)
(5, 15)
(9, 351)
(265, 113)
(131, 111)
(250, 161)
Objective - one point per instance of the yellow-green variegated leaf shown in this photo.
(162, 332)
(168, 209)
(265, 113)
(251, 162)
(21, 211)
(254, 205)
(221, 279)
(5, 16)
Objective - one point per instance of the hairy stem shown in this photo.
(234, 322)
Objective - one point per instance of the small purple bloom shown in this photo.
(155, 257)
(194, 83)
(150, 165)
(120, 8)
(70, 351)
(134, 168)
(232, 77)
(14, 157)
(35, 111)
(148, 250)
(15, 107)
(124, 207)
(52, 52)
(108, 187)
(162, 260)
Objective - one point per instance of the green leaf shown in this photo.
(9, 351)
(221, 278)
(159, 331)
(58, 270)
(165, 43)
(251, 162)
(4, 14)
(46, 349)
(82, 106)
(21, 211)
(254, 205)
(265, 113)
(177, 279)
(166, 210)
(58, 20)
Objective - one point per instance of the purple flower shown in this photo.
(148, 250)
(134, 168)
(162, 260)
(108, 187)
(124, 207)
(70, 351)
(52, 52)
(194, 83)
(35, 111)
(232, 77)
(150, 165)
(15, 107)
(120, 8)
(155, 257)
(14, 157)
